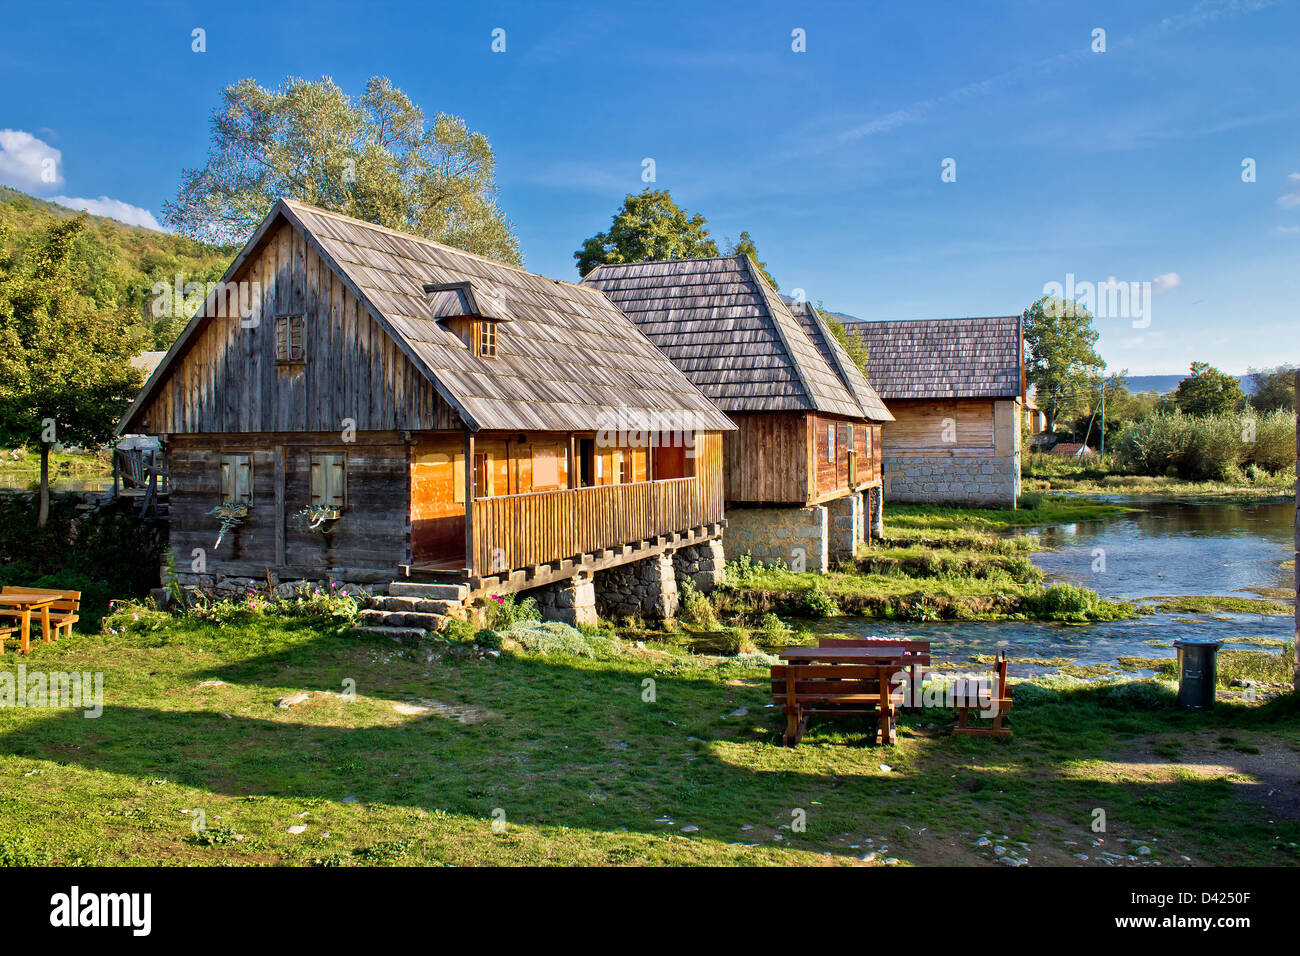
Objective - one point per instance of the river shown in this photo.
(1164, 548)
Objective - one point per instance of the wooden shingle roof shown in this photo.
(567, 359)
(815, 325)
(727, 329)
(943, 358)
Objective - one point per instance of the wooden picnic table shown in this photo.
(879, 654)
(20, 605)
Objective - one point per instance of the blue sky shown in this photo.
(1125, 163)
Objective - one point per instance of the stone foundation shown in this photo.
(572, 601)
(646, 589)
(225, 586)
(844, 517)
(701, 564)
(984, 481)
(874, 519)
(798, 538)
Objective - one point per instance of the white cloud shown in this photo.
(1294, 177)
(1166, 281)
(27, 162)
(112, 208)
(1289, 200)
(1288, 230)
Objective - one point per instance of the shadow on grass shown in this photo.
(572, 743)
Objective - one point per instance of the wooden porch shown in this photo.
(527, 540)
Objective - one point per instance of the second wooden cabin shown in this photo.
(423, 422)
(802, 471)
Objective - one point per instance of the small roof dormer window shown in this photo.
(472, 310)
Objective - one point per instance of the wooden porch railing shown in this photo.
(519, 531)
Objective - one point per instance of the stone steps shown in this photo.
(429, 592)
(399, 634)
(423, 620)
(449, 608)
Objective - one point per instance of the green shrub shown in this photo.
(488, 638)
(503, 612)
(817, 603)
(737, 640)
(696, 608)
(553, 637)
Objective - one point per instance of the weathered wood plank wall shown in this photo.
(229, 380)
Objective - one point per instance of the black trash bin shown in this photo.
(1197, 671)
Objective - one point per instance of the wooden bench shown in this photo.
(1000, 703)
(63, 612)
(804, 689)
(6, 631)
(916, 655)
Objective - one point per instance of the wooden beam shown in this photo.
(469, 501)
(279, 505)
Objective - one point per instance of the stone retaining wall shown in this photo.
(798, 538)
(976, 480)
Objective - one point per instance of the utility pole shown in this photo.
(1102, 450)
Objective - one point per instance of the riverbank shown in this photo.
(568, 748)
(933, 563)
(1095, 476)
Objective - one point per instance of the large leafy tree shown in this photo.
(1273, 388)
(1062, 362)
(65, 371)
(1207, 391)
(375, 159)
(745, 245)
(649, 226)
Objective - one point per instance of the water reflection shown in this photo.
(1167, 547)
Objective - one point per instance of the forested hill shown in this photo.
(120, 263)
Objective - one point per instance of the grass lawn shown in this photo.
(1044, 473)
(584, 768)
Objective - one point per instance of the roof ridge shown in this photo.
(763, 291)
(659, 262)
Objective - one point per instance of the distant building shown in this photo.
(955, 388)
(1069, 449)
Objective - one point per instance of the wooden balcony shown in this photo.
(523, 531)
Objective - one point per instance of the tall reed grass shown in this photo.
(1214, 447)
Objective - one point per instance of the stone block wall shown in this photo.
(844, 526)
(789, 536)
(572, 601)
(701, 564)
(986, 481)
(645, 589)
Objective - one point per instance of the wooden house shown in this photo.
(956, 388)
(802, 470)
(393, 412)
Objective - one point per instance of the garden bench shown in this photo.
(999, 704)
(6, 631)
(814, 688)
(916, 655)
(63, 612)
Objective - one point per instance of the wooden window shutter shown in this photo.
(244, 479)
(338, 483)
(317, 481)
(236, 479)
